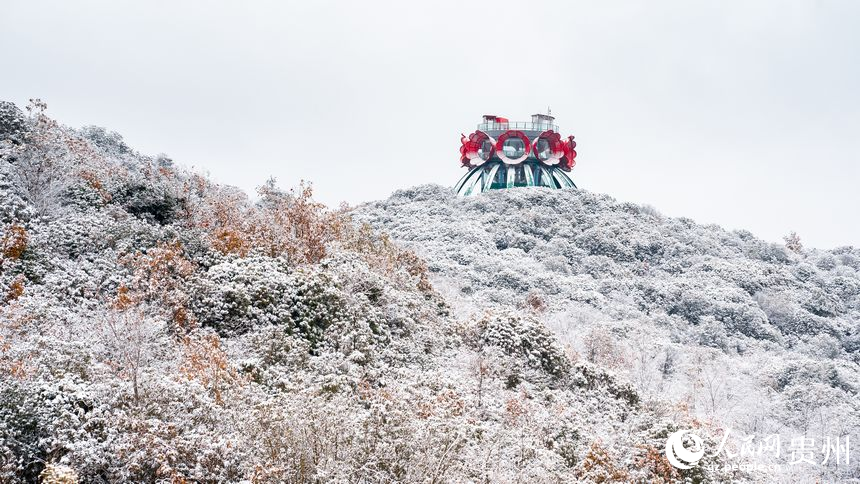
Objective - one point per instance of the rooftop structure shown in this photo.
(504, 154)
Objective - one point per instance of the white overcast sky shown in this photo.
(742, 113)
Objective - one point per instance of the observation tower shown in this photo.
(503, 154)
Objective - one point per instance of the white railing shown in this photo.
(522, 125)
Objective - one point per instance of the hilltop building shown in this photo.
(504, 154)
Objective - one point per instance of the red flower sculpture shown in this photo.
(514, 147)
(476, 149)
(569, 159)
(549, 148)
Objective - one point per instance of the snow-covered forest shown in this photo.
(718, 326)
(159, 327)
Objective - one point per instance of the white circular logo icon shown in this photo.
(680, 456)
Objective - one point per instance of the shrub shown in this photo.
(599, 466)
(12, 123)
(159, 275)
(13, 208)
(524, 337)
(804, 373)
(792, 242)
(712, 333)
(151, 193)
(607, 241)
(58, 474)
(205, 362)
(41, 168)
(822, 303)
(238, 295)
(283, 224)
(13, 242)
(21, 434)
(733, 307)
(659, 469)
(384, 257)
(37, 421)
(590, 377)
(565, 442)
(601, 348)
(110, 141)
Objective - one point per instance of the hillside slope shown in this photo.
(740, 333)
(159, 327)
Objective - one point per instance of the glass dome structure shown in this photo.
(495, 175)
(502, 154)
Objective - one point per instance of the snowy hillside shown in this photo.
(739, 333)
(158, 327)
